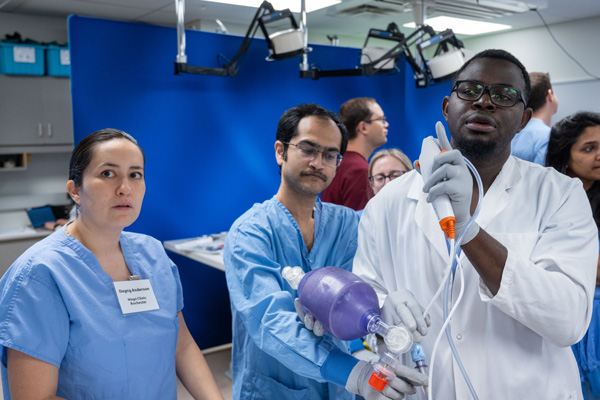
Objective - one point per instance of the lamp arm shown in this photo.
(265, 6)
(402, 47)
(229, 69)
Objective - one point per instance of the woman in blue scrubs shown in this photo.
(92, 312)
(574, 150)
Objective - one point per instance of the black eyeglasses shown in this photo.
(382, 119)
(309, 152)
(500, 95)
(379, 179)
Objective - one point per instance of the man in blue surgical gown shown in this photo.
(274, 356)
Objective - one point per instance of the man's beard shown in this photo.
(475, 149)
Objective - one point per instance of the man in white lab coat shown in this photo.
(529, 259)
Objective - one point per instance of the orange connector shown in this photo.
(447, 225)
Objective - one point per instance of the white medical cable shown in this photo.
(448, 299)
(448, 292)
(439, 336)
(479, 200)
(460, 239)
(446, 275)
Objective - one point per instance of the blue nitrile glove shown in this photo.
(401, 307)
(452, 178)
(309, 320)
(403, 382)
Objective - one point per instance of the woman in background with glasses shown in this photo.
(387, 165)
(574, 150)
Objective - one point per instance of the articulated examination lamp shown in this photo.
(377, 60)
(282, 44)
(285, 43)
(445, 62)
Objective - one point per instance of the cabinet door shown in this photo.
(57, 113)
(11, 250)
(20, 110)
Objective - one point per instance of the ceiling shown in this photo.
(350, 19)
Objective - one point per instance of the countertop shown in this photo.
(212, 259)
(10, 234)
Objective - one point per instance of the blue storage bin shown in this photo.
(58, 61)
(21, 59)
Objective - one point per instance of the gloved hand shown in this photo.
(366, 355)
(451, 177)
(402, 307)
(403, 382)
(309, 320)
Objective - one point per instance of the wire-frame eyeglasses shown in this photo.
(379, 179)
(330, 158)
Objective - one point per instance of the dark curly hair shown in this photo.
(563, 136)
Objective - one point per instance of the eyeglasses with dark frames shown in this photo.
(309, 152)
(500, 95)
(379, 179)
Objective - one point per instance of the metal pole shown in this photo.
(180, 7)
(304, 65)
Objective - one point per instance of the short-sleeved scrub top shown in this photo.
(58, 305)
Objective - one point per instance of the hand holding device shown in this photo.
(450, 178)
(401, 382)
(309, 320)
(401, 308)
(425, 165)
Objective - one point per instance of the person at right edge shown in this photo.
(574, 150)
(529, 258)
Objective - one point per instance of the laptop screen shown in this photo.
(40, 215)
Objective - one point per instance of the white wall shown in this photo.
(539, 52)
(42, 29)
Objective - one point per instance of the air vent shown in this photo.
(367, 9)
(475, 9)
(472, 10)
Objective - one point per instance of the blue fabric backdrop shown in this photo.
(209, 140)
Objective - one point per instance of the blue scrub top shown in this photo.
(58, 305)
(531, 144)
(274, 356)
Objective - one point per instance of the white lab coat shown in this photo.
(514, 345)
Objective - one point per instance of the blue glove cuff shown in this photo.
(337, 367)
(356, 345)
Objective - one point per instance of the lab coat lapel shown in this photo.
(497, 197)
(426, 219)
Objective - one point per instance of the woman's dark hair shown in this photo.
(84, 151)
(563, 136)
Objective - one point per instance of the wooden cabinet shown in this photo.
(35, 111)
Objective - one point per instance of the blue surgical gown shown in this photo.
(274, 356)
(58, 305)
(587, 353)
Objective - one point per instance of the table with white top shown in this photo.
(213, 258)
(206, 308)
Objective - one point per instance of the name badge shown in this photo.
(136, 296)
